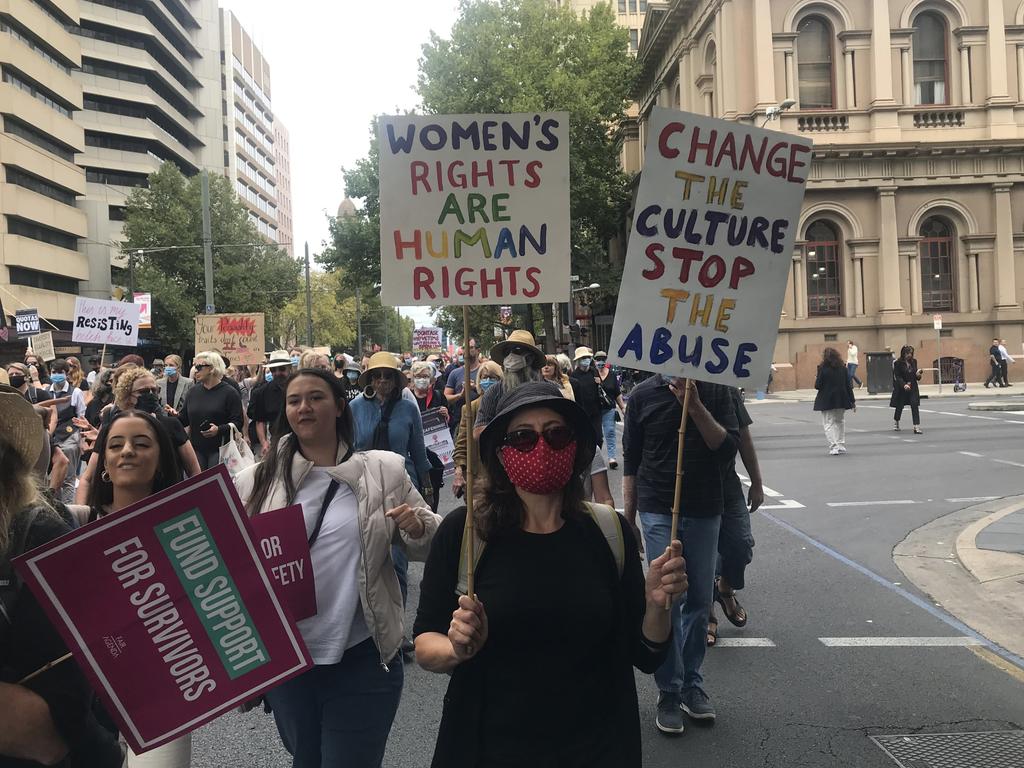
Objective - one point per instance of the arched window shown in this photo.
(821, 257)
(930, 60)
(814, 63)
(937, 250)
(710, 67)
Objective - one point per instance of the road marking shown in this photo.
(909, 440)
(1015, 422)
(886, 503)
(950, 413)
(767, 491)
(985, 418)
(784, 504)
(958, 641)
(1011, 463)
(973, 499)
(744, 642)
(974, 455)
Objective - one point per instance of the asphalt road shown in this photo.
(838, 648)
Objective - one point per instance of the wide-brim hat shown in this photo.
(601, 353)
(278, 359)
(541, 394)
(352, 365)
(379, 361)
(582, 352)
(22, 428)
(518, 338)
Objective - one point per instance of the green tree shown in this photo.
(520, 56)
(165, 220)
(334, 313)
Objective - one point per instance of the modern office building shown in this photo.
(250, 154)
(40, 226)
(916, 194)
(283, 167)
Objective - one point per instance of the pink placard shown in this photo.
(281, 537)
(167, 607)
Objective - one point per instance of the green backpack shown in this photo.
(607, 520)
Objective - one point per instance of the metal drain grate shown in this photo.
(990, 749)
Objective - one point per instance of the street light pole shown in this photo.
(207, 243)
(309, 303)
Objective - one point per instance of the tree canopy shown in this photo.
(165, 222)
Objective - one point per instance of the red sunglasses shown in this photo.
(524, 440)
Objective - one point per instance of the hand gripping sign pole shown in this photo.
(467, 424)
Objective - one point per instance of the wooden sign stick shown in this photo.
(467, 415)
(679, 471)
(45, 668)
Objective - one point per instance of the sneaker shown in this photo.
(842, 449)
(670, 716)
(697, 705)
(896, 427)
(833, 451)
(613, 464)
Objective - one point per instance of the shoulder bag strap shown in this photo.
(607, 520)
(332, 489)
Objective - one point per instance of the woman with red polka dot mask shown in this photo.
(561, 610)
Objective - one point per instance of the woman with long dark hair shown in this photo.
(834, 398)
(542, 654)
(354, 504)
(905, 376)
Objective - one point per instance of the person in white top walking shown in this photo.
(852, 361)
(1004, 363)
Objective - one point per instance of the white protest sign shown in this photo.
(145, 302)
(426, 339)
(105, 322)
(474, 209)
(42, 345)
(438, 438)
(710, 249)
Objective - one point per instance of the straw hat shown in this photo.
(582, 352)
(379, 361)
(278, 359)
(21, 426)
(518, 338)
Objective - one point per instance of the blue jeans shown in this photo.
(339, 714)
(851, 373)
(682, 667)
(735, 540)
(608, 427)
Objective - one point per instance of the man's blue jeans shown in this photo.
(608, 427)
(682, 667)
(851, 373)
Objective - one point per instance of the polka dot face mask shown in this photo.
(539, 463)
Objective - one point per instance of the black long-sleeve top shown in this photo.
(220, 405)
(553, 685)
(650, 440)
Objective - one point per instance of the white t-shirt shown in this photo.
(336, 557)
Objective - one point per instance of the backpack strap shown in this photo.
(606, 518)
(608, 521)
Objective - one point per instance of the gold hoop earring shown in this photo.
(105, 476)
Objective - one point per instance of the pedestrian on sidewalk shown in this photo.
(1005, 358)
(650, 444)
(834, 399)
(542, 655)
(612, 407)
(995, 361)
(852, 361)
(905, 376)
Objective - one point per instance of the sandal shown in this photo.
(734, 617)
(712, 638)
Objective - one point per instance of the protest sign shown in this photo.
(105, 322)
(240, 337)
(474, 209)
(438, 438)
(710, 249)
(27, 322)
(426, 339)
(168, 609)
(42, 345)
(281, 537)
(145, 302)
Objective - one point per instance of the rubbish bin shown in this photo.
(879, 372)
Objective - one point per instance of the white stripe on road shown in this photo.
(972, 499)
(783, 504)
(949, 413)
(957, 641)
(767, 491)
(744, 642)
(985, 418)
(974, 455)
(1011, 463)
(886, 503)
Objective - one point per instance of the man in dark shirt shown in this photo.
(995, 359)
(268, 399)
(585, 386)
(650, 444)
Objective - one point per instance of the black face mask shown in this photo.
(339, 364)
(17, 381)
(148, 402)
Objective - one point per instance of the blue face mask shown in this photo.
(58, 379)
(268, 376)
(352, 376)
(295, 361)
(486, 384)
(170, 370)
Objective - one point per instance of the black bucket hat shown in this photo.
(540, 394)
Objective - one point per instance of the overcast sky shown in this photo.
(333, 66)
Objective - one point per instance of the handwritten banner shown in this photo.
(710, 249)
(474, 209)
(240, 337)
(145, 302)
(281, 534)
(105, 322)
(167, 607)
(42, 345)
(426, 339)
(438, 438)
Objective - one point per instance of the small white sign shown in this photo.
(145, 302)
(937, 322)
(105, 322)
(42, 345)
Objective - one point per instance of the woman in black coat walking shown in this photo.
(834, 399)
(905, 375)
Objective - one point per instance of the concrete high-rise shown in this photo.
(283, 166)
(40, 225)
